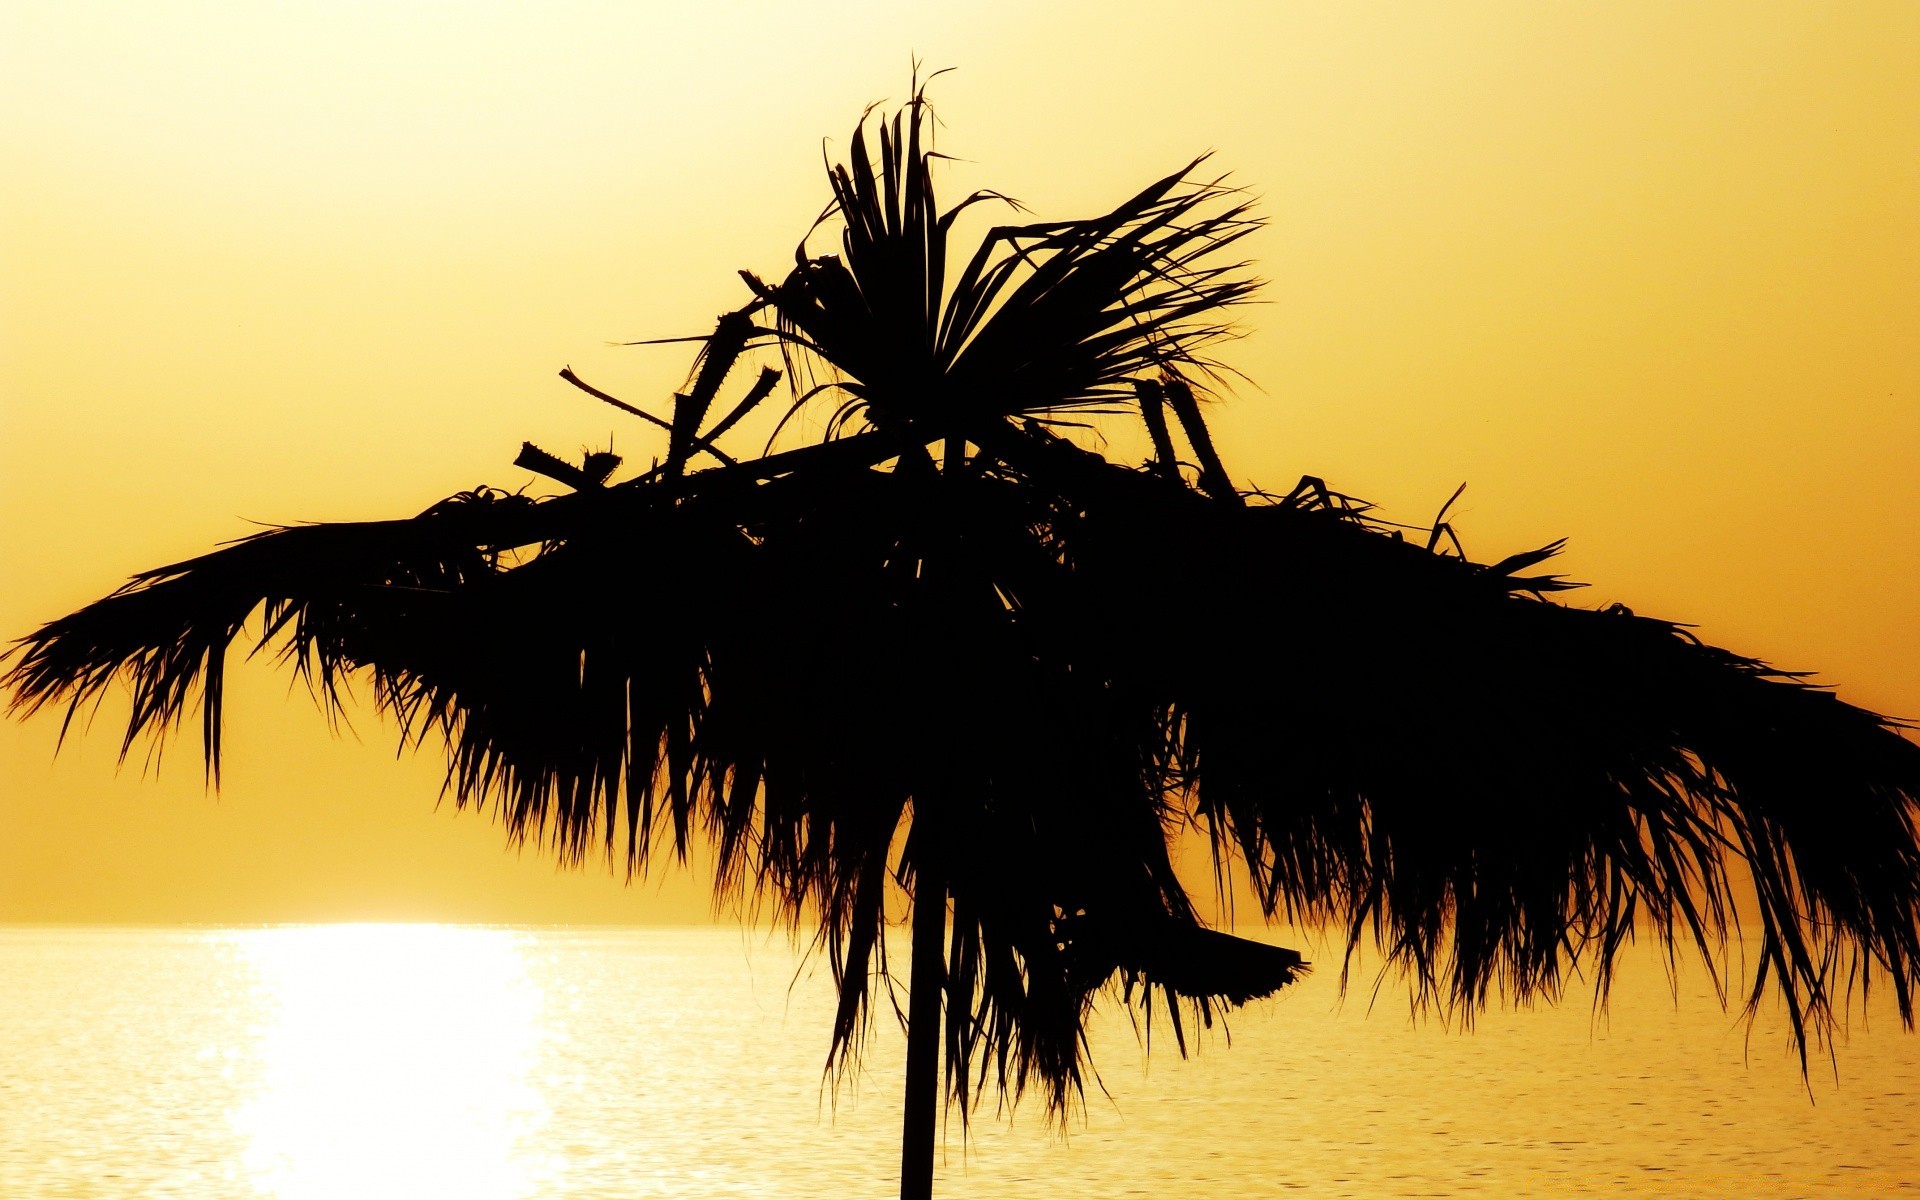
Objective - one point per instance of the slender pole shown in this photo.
(928, 983)
(925, 987)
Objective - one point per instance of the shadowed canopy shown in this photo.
(945, 653)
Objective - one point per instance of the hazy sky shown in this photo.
(1646, 275)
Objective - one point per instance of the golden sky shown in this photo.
(1646, 275)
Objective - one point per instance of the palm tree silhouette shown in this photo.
(944, 657)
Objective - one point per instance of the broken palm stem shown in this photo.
(1214, 480)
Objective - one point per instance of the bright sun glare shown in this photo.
(398, 1061)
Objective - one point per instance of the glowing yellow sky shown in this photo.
(1644, 274)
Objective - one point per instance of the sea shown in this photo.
(417, 1062)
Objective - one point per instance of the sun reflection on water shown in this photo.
(646, 1064)
(397, 1061)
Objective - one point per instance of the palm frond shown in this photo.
(1043, 319)
(168, 630)
(1494, 785)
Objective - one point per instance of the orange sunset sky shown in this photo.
(1644, 274)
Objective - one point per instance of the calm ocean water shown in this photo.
(417, 1062)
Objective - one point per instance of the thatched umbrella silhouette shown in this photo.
(946, 658)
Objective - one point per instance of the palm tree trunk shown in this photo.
(927, 983)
